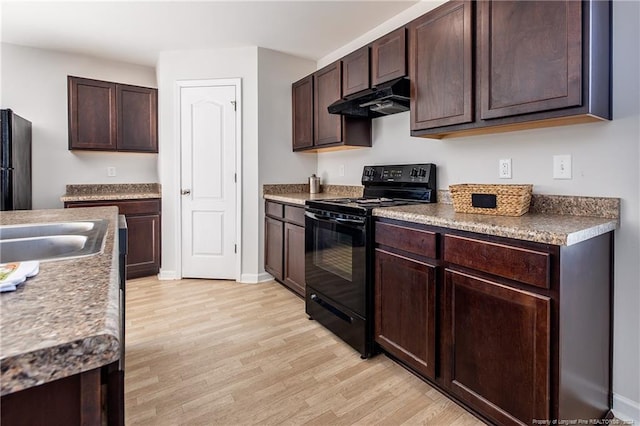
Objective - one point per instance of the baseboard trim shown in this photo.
(165, 275)
(626, 409)
(255, 278)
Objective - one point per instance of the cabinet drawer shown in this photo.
(274, 209)
(129, 207)
(416, 241)
(519, 264)
(294, 215)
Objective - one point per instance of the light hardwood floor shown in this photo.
(224, 353)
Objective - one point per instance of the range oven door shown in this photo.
(335, 258)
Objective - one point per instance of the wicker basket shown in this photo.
(503, 200)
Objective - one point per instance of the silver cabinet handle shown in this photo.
(185, 192)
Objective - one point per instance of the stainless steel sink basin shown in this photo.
(44, 229)
(51, 241)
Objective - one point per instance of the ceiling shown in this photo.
(136, 32)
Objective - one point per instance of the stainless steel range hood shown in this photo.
(387, 98)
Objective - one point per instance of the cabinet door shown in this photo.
(273, 247)
(405, 313)
(327, 90)
(137, 118)
(530, 56)
(92, 114)
(355, 72)
(389, 57)
(143, 251)
(302, 96)
(441, 67)
(498, 348)
(294, 257)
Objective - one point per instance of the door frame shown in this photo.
(237, 82)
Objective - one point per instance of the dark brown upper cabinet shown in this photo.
(441, 70)
(355, 72)
(92, 114)
(530, 56)
(137, 118)
(106, 116)
(537, 64)
(329, 131)
(389, 57)
(327, 90)
(302, 97)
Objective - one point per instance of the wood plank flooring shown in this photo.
(222, 353)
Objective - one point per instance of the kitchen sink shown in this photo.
(51, 241)
(44, 229)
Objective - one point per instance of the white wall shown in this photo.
(266, 138)
(278, 163)
(34, 86)
(202, 65)
(606, 159)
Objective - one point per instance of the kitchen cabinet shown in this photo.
(441, 66)
(284, 245)
(521, 330)
(405, 297)
(106, 116)
(88, 398)
(143, 223)
(355, 72)
(537, 64)
(330, 131)
(274, 247)
(493, 323)
(529, 65)
(389, 57)
(302, 97)
(492, 326)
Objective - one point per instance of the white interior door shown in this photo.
(208, 180)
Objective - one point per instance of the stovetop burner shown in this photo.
(387, 186)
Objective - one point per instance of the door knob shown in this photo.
(185, 192)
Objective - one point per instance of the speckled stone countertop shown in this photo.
(558, 220)
(299, 193)
(109, 192)
(552, 219)
(65, 320)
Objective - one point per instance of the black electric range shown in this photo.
(339, 248)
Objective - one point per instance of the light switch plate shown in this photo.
(562, 166)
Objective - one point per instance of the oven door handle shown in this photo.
(339, 221)
(350, 222)
(318, 216)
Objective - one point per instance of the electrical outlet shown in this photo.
(111, 171)
(341, 170)
(562, 166)
(504, 168)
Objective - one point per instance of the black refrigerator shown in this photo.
(15, 162)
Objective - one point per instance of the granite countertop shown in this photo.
(552, 219)
(110, 192)
(542, 226)
(299, 193)
(65, 320)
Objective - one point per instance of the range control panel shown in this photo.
(424, 174)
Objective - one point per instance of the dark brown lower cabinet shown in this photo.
(82, 399)
(143, 225)
(273, 247)
(499, 347)
(284, 244)
(405, 318)
(294, 257)
(516, 331)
